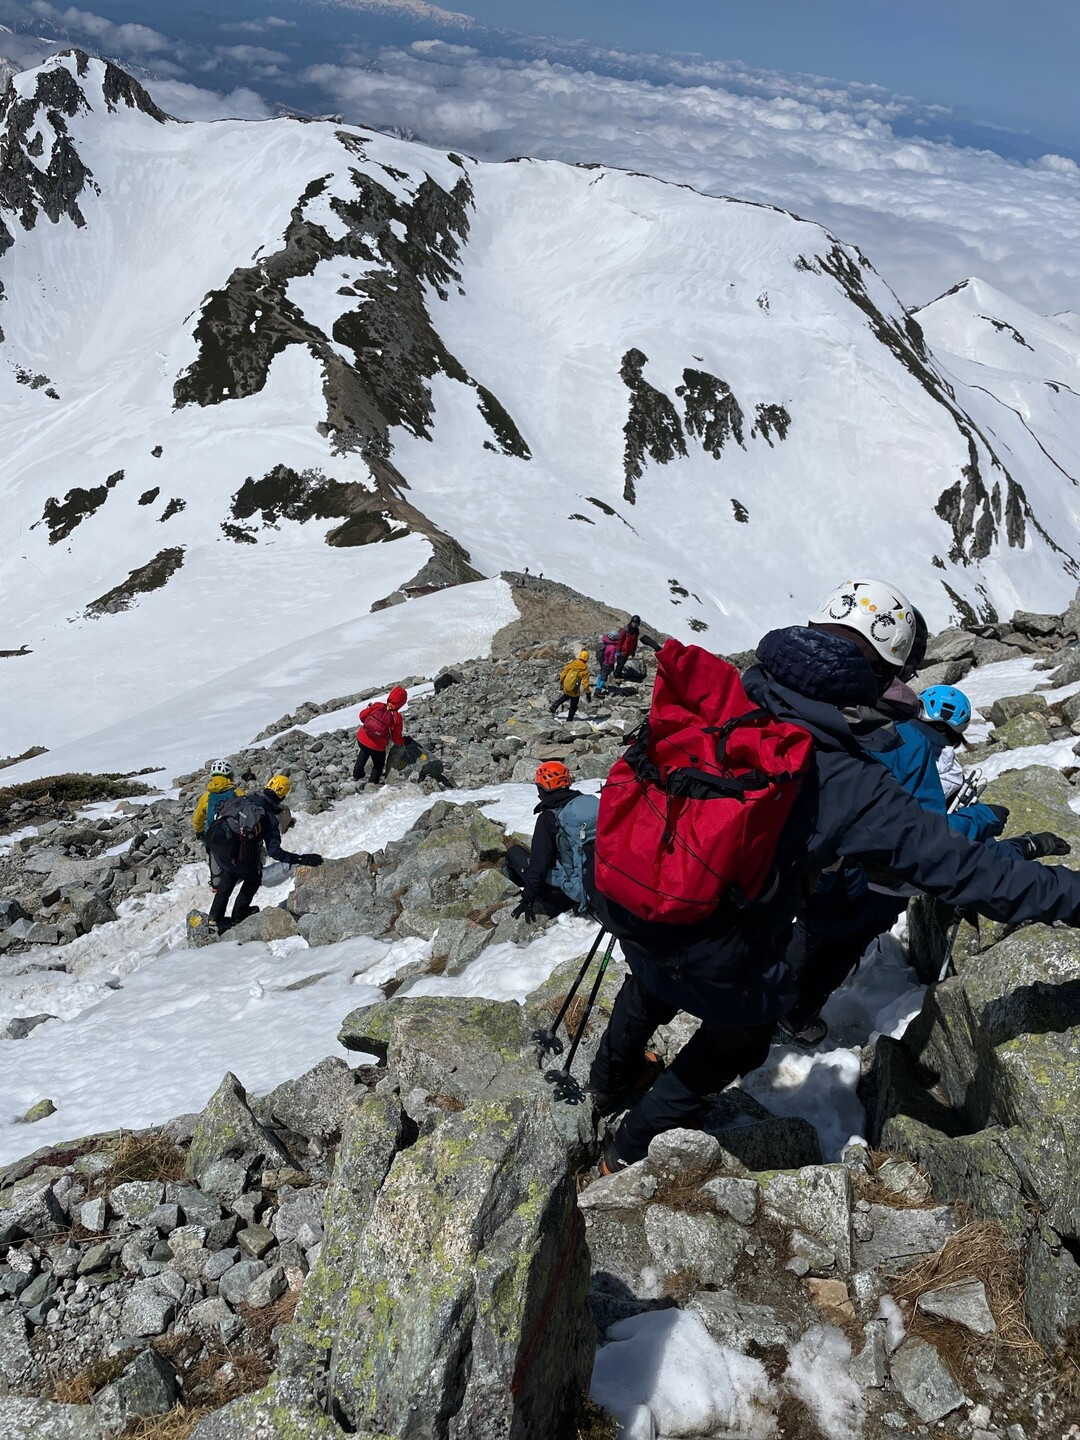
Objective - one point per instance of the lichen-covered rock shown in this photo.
(146, 1387)
(446, 1046)
(313, 1105)
(469, 1298)
(228, 1130)
(284, 1410)
(271, 923)
(26, 1419)
(1029, 728)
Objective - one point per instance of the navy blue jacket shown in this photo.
(269, 835)
(731, 970)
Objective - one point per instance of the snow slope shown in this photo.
(256, 377)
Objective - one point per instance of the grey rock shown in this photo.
(1029, 728)
(1032, 622)
(249, 1206)
(675, 1153)
(903, 1179)
(950, 645)
(988, 652)
(30, 1208)
(313, 1105)
(198, 1208)
(869, 1368)
(163, 1218)
(734, 1195)
(93, 1215)
(186, 1237)
(26, 1419)
(266, 1288)
(135, 1199)
(964, 1303)
(224, 1180)
(42, 1287)
(777, 1142)
(96, 1257)
(707, 1246)
(295, 1210)
(271, 923)
(228, 1130)
(491, 1180)
(40, 933)
(1008, 707)
(171, 1283)
(948, 672)
(255, 1240)
(820, 1258)
(285, 1410)
(817, 1200)
(16, 1358)
(22, 1025)
(924, 1381)
(739, 1323)
(336, 923)
(629, 1189)
(146, 1387)
(900, 1237)
(210, 1316)
(235, 1283)
(146, 1311)
(218, 1263)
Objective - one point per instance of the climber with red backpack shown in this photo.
(380, 727)
(236, 836)
(732, 798)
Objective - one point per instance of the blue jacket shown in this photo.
(914, 763)
(731, 970)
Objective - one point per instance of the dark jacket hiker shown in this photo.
(241, 828)
(731, 970)
(551, 872)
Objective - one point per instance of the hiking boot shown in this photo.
(611, 1162)
(607, 1103)
(812, 1032)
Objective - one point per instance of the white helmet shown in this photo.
(875, 609)
(221, 767)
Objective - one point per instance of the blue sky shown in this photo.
(942, 138)
(1010, 62)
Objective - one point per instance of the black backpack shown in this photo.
(235, 832)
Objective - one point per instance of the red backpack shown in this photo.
(377, 723)
(694, 810)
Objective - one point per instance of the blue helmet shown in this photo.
(946, 705)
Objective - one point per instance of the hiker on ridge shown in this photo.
(220, 787)
(626, 643)
(574, 678)
(551, 872)
(730, 968)
(380, 727)
(240, 829)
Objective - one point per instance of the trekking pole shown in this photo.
(566, 1087)
(548, 1040)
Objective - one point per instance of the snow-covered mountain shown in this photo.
(258, 378)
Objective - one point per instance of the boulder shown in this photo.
(349, 881)
(989, 652)
(706, 1247)
(28, 1208)
(740, 1323)
(1066, 673)
(949, 645)
(16, 1358)
(284, 1410)
(341, 922)
(272, 923)
(470, 1285)
(25, 1419)
(1009, 706)
(1033, 622)
(146, 1387)
(442, 1045)
(924, 1381)
(315, 1104)
(894, 1239)
(228, 1130)
(964, 1303)
(817, 1200)
(1030, 728)
(146, 1311)
(949, 672)
(1070, 621)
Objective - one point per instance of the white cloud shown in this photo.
(927, 213)
(251, 54)
(191, 102)
(257, 27)
(135, 39)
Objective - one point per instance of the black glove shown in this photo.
(1044, 843)
(1001, 817)
(525, 910)
(309, 858)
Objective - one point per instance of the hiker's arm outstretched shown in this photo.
(876, 820)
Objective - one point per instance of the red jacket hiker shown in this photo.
(380, 727)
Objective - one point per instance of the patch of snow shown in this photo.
(817, 1374)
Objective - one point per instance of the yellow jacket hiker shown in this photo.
(221, 787)
(573, 679)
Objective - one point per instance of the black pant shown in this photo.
(826, 946)
(364, 753)
(226, 885)
(711, 1059)
(549, 897)
(562, 701)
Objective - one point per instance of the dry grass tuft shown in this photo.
(681, 1284)
(176, 1425)
(450, 1103)
(870, 1188)
(79, 1389)
(979, 1251)
(260, 1324)
(595, 1424)
(574, 1015)
(143, 1157)
(684, 1192)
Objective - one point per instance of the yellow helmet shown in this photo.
(280, 785)
(584, 655)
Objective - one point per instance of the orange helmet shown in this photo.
(552, 775)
